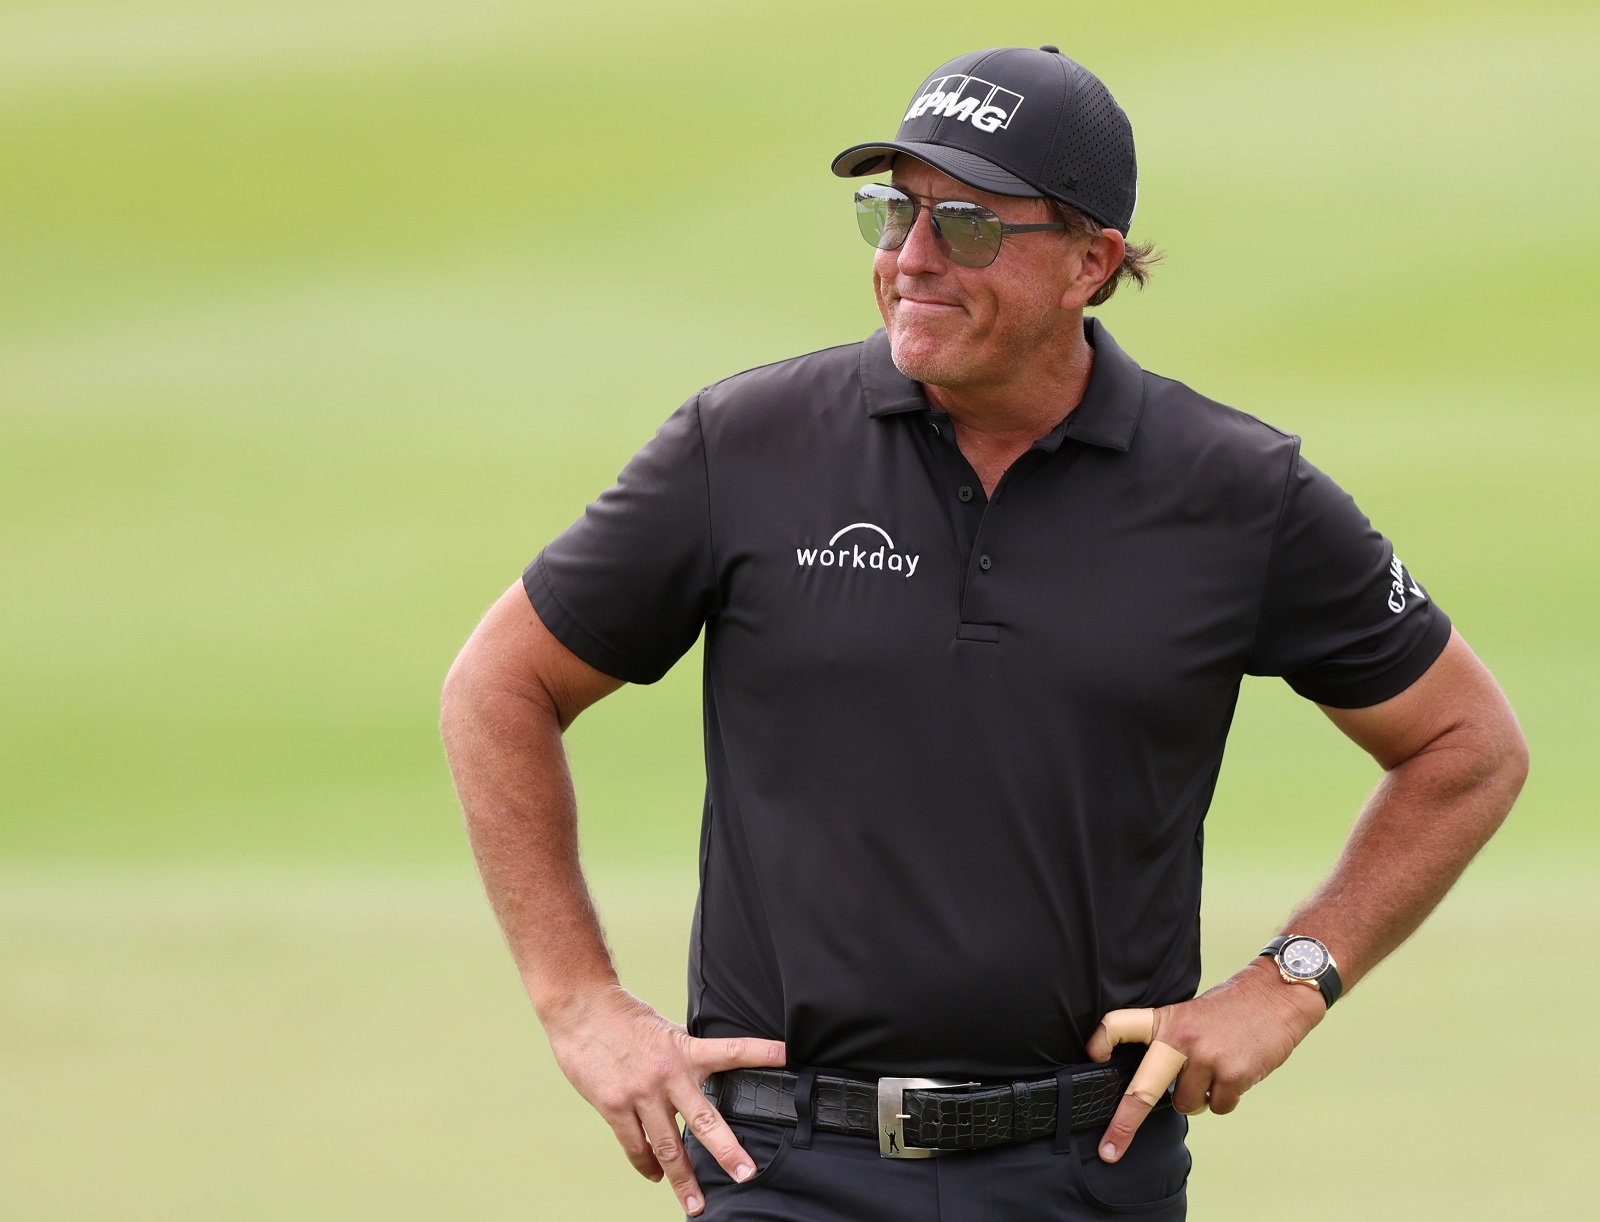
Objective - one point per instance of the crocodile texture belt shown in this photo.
(922, 1117)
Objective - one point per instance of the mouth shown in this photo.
(928, 305)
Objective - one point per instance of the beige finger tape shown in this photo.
(1158, 1070)
(1129, 1026)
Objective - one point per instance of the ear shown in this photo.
(1097, 264)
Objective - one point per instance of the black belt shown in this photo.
(921, 1117)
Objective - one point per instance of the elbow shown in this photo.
(1514, 762)
(483, 689)
(1504, 770)
(456, 697)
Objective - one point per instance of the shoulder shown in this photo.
(828, 369)
(785, 399)
(1219, 444)
(1177, 414)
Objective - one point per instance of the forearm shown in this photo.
(1454, 761)
(509, 696)
(1426, 820)
(516, 794)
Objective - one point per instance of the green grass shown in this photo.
(322, 319)
(326, 1044)
(319, 319)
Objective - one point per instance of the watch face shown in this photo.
(1304, 957)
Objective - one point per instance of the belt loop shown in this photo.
(1062, 1141)
(1021, 1112)
(804, 1113)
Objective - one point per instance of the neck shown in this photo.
(1028, 399)
(996, 422)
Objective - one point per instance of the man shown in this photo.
(978, 594)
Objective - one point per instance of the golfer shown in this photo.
(977, 593)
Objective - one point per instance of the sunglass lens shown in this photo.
(970, 232)
(884, 216)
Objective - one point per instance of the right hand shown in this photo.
(640, 1070)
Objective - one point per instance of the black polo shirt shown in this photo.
(959, 749)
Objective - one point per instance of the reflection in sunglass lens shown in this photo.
(884, 215)
(968, 234)
(971, 233)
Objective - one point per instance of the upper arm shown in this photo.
(619, 596)
(512, 651)
(1342, 620)
(1456, 700)
(629, 585)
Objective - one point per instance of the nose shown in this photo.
(920, 252)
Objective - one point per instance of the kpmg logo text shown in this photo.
(967, 99)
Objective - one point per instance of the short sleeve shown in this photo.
(1343, 620)
(628, 586)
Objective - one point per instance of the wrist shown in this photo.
(1305, 960)
(569, 1003)
(1300, 1004)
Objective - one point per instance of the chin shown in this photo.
(926, 357)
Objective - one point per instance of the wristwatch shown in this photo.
(1301, 959)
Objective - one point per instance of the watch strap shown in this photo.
(1328, 982)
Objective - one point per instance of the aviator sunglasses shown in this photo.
(968, 234)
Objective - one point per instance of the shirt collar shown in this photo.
(884, 389)
(1107, 415)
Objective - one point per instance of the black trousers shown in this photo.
(843, 1179)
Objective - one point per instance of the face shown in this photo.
(969, 327)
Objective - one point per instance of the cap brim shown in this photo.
(861, 159)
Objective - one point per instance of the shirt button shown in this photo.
(964, 492)
(984, 562)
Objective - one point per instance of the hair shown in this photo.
(1137, 260)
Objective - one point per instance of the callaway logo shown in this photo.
(1401, 583)
(967, 99)
(853, 555)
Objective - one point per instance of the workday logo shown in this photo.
(852, 553)
(967, 99)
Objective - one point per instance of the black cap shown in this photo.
(1016, 121)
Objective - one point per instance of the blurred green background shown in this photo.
(320, 318)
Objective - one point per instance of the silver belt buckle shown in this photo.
(892, 1115)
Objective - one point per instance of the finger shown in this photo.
(1121, 1027)
(667, 1146)
(712, 1132)
(630, 1136)
(1130, 1115)
(1225, 1096)
(1156, 1072)
(710, 1056)
(1190, 1097)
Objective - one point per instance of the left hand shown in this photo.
(1232, 1036)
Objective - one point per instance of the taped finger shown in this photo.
(1157, 1071)
(1129, 1026)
